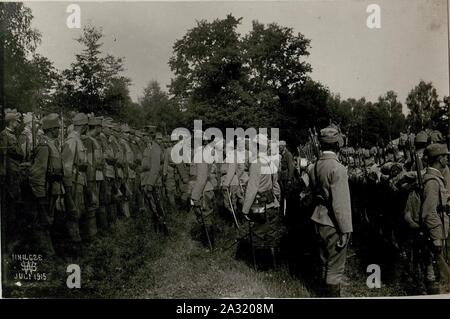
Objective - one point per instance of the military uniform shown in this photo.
(230, 181)
(202, 195)
(332, 214)
(11, 158)
(151, 182)
(75, 166)
(94, 178)
(435, 218)
(286, 175)
(45, 178)
(129, 175)
(109, 173)
(119, 160)
(169, 172)
(138, 148)
(261, 205)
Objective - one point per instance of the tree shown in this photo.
(252, 81)
(207, 63)
(439, 117)
(390, 117)
(93, 82)
(28, 77)
(422, 102)
(158, 109)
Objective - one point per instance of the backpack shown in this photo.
(413, 208)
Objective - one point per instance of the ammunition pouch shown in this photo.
(55, 175)
(258, 209)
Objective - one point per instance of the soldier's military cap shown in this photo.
(95, 121)
(330, 135)
(436, 149)
(436, 137)
(421, 137)
(51, 121)
(10, 116)
(159, 136)
(282, 143)
(80, 119)
(116, 127)
(107, 122)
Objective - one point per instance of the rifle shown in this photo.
(249, 234)
(75, 185)
(420, 189)
(315, 143)
(200, 213)
(441, 213)
(420, 186)
(232, 207)
(159, 211)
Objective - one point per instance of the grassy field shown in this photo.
(131, 261)
(134, 262)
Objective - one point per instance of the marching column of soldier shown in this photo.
(66, 184)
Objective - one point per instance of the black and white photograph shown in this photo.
(225, 150)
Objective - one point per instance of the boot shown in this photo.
(126, 209)
(73, 231)
(102, 219)
(432, 287)
(112, 214)
(90, 227)
(334, 291)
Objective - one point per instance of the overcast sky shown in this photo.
(346, 55)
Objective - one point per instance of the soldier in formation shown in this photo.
(81, 178)
(78, 183)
